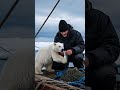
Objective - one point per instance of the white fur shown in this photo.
(46, 56)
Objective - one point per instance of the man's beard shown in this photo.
(65, 35)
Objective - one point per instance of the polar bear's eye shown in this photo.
(59, 46)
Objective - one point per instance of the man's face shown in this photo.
(64, 34)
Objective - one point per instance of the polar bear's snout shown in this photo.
(61, 48)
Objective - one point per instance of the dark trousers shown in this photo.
(103, 78)
(76, 59)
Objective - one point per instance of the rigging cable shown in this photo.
(7, 50)
(5, 18)
(47, 18)
(9, 12)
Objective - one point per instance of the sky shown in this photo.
(33, 12)
(71, 11)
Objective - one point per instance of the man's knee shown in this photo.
(103, 77)
(77, 60)
(79, 57)
(104, 72)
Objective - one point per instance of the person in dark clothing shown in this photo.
(73, 45)
(102, 49)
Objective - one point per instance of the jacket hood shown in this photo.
(70, 27)
(88, 5)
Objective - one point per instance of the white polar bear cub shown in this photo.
(46, 56)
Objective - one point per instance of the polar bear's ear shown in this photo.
(54, 43)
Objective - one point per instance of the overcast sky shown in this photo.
(21, 21)
(73, 11)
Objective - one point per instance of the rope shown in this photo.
(40, 83)
(47, 18)
(55, 83)
(8, 14)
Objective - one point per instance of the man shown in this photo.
(73, 45)
(102, 50)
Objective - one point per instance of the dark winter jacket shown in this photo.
(101, 41)
(73, 41)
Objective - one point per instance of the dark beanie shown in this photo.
(63, 26)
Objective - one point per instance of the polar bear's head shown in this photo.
(58, 47)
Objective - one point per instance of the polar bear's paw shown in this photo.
(64, 61)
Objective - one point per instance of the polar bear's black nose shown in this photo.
(62, 50)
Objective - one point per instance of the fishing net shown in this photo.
(71, 75)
